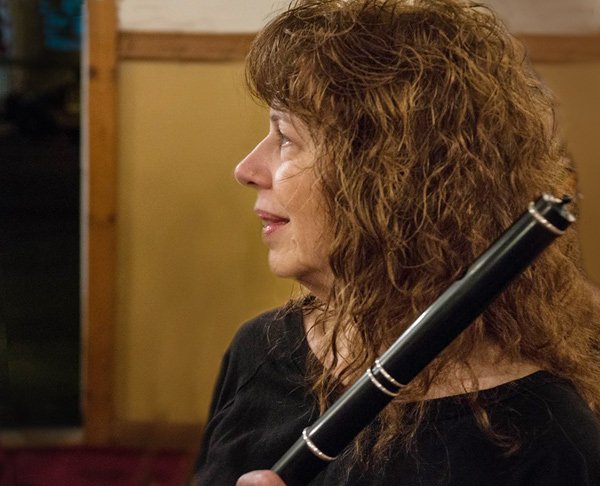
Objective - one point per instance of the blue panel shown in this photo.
(62, 24)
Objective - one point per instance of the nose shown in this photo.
(253, 171)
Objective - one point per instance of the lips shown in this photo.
(271, 222)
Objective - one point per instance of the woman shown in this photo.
(405, 136)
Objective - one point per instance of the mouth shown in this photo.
(271, 222)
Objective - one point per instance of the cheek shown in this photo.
(294, 194)
(312, 228)
(294, 181)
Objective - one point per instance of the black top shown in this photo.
(261, 404)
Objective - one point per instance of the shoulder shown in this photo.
(268, 337)
(257, 342)
(556, 402)
(560, 435)
(572, 420)
(258, 336)
(260, 402)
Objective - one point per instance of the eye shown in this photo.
(283, 140)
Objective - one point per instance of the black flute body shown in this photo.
(434, 329)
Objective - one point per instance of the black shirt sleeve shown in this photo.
(261, 402)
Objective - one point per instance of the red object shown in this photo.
(93, 466)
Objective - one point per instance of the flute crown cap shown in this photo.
(566, 199)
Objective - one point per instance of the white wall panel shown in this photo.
(217, 16)
(522, 16)
(549, 16)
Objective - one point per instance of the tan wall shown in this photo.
(191, 266)
(191, 263)
(577, 86)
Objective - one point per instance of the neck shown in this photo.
(484, 376)
(488, 369)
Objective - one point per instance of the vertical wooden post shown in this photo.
(99, 315)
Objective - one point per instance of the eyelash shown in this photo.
(283, 140)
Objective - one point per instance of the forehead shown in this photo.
(278, 115)
(294, 122)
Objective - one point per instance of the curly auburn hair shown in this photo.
(433, 134)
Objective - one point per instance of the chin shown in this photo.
(281, 270)
(285, 267)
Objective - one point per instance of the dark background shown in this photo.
(39, 214)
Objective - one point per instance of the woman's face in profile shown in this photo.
(280, 168)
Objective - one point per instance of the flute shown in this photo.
(466, 298)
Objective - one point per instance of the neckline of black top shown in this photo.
(438, 408)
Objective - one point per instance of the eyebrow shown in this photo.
(278, 116)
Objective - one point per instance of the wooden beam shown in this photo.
(562, 48)
(99, 320)
(183, 47)
(168, 46)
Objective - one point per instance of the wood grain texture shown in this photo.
(183, 47)
(234, 47)
(562, 48)
(100, 319)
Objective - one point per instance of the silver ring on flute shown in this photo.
(314, 449)
(387, 376)
(547, 224)
(378, 384)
